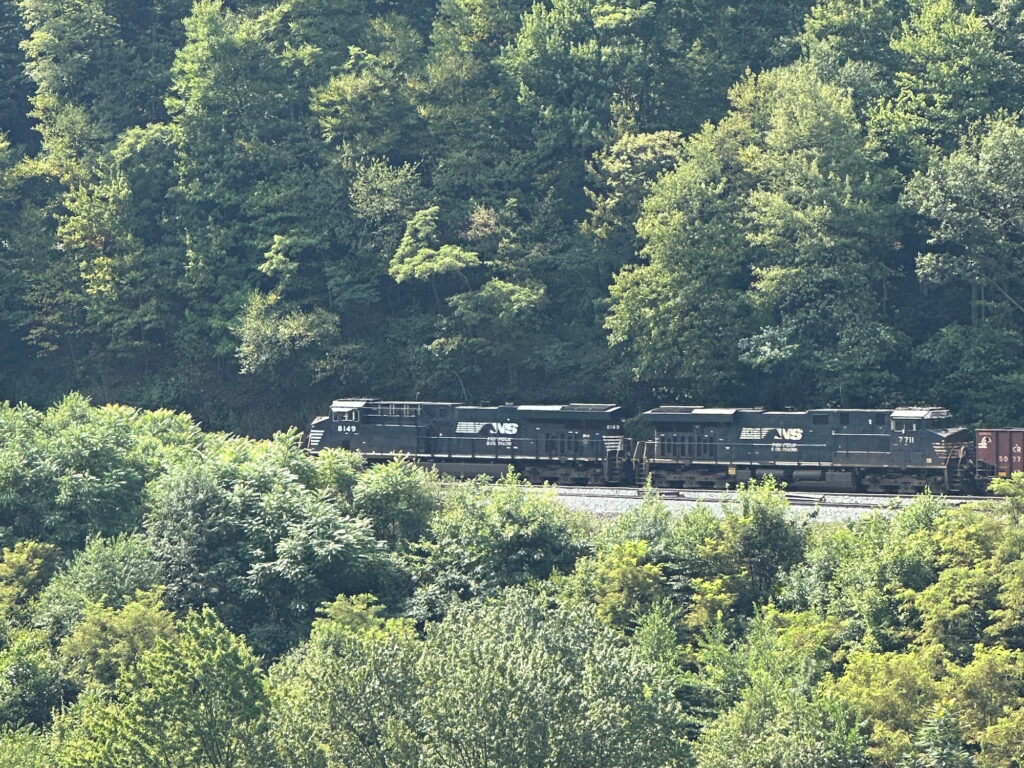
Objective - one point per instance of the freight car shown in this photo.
(905, 450)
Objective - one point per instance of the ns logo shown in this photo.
(487, 427)
(791, 435)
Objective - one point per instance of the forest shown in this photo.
(222, 214)
(178, 598)
(240, 209)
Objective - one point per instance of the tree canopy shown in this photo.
(268, 607)
(576, 200)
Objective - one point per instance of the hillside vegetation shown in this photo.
(175, 597)
(241, 209)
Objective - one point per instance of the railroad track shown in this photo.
(830, 500)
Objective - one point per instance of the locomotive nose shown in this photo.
(315, 434)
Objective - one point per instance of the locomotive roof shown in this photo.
(697, 413)
(573, 408)
(692, 413)
(346, 405)
(661, 413)
(925, 412)
(355, 404)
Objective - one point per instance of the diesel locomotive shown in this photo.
(906, 450)
(902, 450)
(574, 444)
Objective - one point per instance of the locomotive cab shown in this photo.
(337, 428)
(929, 447)
(907, 421)
(326, 431)
(919, 429)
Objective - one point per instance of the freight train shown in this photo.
(902, 450)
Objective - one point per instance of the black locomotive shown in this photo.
(575, 444)
(905, 450)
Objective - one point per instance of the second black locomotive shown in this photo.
(906, 450)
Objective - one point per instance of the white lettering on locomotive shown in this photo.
(793, 434)
(494, 427)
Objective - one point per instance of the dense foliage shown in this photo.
(243, 208)
(250, 605)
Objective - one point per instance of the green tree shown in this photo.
(509, 681)
(761, 256)
(197, 698)
(366, 109)
(951, 74)
(487, 537)
(399, 498)
(848, 43)
(974, 233)
(239, 529)
(108, 641)
(32, 683)
(110, 571)
(264, 204)
(688, 293)
(269, 336)
(415, 258)
(778, 728)
(25, 569)
(120, 230)
(469, 107)
(938, 743)
(621, 582)
(756, 543)
(895, 692)
(337, 472)
(99, 68)
(14, 118)
(26, 747)
(619, 178)
(349, 695)
(71, 472)
(964, 352)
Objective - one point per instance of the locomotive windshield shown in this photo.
(346, 410)
(912, 419)
(905, 425)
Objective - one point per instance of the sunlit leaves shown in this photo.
(416, 258)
